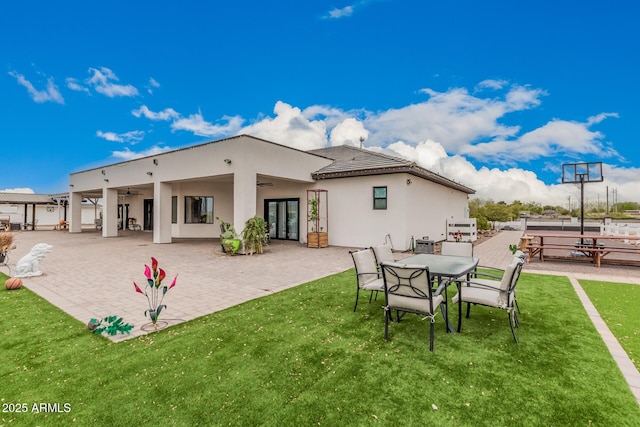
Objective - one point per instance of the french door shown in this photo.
(282, 217)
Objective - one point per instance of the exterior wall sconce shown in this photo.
(103, 172)
(71, 185)
(149, 173)
(106, 180)
(155, 162)
(227, 161)
(409, 181)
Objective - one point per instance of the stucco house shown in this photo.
(369, 197)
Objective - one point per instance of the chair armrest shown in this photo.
(479, 285)
(488, 275)
(442, 286)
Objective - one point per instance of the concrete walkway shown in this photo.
(88, 276)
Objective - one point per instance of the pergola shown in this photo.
(27, 200)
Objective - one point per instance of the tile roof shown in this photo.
(353, 161)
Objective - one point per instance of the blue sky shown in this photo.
(496, 95)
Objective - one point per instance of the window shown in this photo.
(174, 209)
(379, 197)
(198, 210)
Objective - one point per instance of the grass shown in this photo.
(617, 304)
(303, 357)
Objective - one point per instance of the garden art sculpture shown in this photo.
(29, 265)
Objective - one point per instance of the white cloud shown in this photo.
(290, 127)
(348, 132)
(166, 114)
(453, 118)
(195, 123)
(152, 84)
(491, 84)
(127, 154)
(75, 85)
(556, 136)
(340, 13)
(102, 82)
(18, 190)
(50, 94)
(131, 137)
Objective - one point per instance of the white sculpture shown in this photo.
(29, 265)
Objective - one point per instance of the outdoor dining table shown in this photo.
(447, 267)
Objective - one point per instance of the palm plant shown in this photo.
(255, 234)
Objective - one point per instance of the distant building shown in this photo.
(27, 210)
(370, 196)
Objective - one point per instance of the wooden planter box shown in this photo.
(317, 240)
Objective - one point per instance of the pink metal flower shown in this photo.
(174, 282)
(138, 288)
(147, 272)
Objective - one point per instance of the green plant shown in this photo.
(228, 237)
(255, 234)
(152, 291)
(313, 215)
(513, 249)
(228, 231)
(110, 325)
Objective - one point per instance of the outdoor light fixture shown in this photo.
(227, 161)
(155, 162)
(128, 192)
(409, 181)
(106, 180)
(103, 172)
(149, 173)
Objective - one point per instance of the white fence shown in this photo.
(621, 230)
(462, 229)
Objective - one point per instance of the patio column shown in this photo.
(110, 212)
(244, 197)
(75, 203)
(162, 192)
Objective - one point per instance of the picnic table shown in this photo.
(591, 247)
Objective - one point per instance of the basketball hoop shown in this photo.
(579, 173)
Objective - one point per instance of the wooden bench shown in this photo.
(594, 254)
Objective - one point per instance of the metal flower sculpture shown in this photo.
(155, 291)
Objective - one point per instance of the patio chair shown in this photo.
(408, 289)
(457, 248)
(492, 293)
(367, 276)
(499, 274)
(382, 253)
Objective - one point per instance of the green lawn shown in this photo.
(302, 357)
(618, 305)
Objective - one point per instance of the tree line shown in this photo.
(488, 212)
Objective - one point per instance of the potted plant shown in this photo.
(317, 236)
(228, 237)
(254, 235)
(6, 244)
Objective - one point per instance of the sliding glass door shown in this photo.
(282, 216)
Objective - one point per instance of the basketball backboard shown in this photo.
(576, 173)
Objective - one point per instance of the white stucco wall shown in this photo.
(419, 210)
(47, 215)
